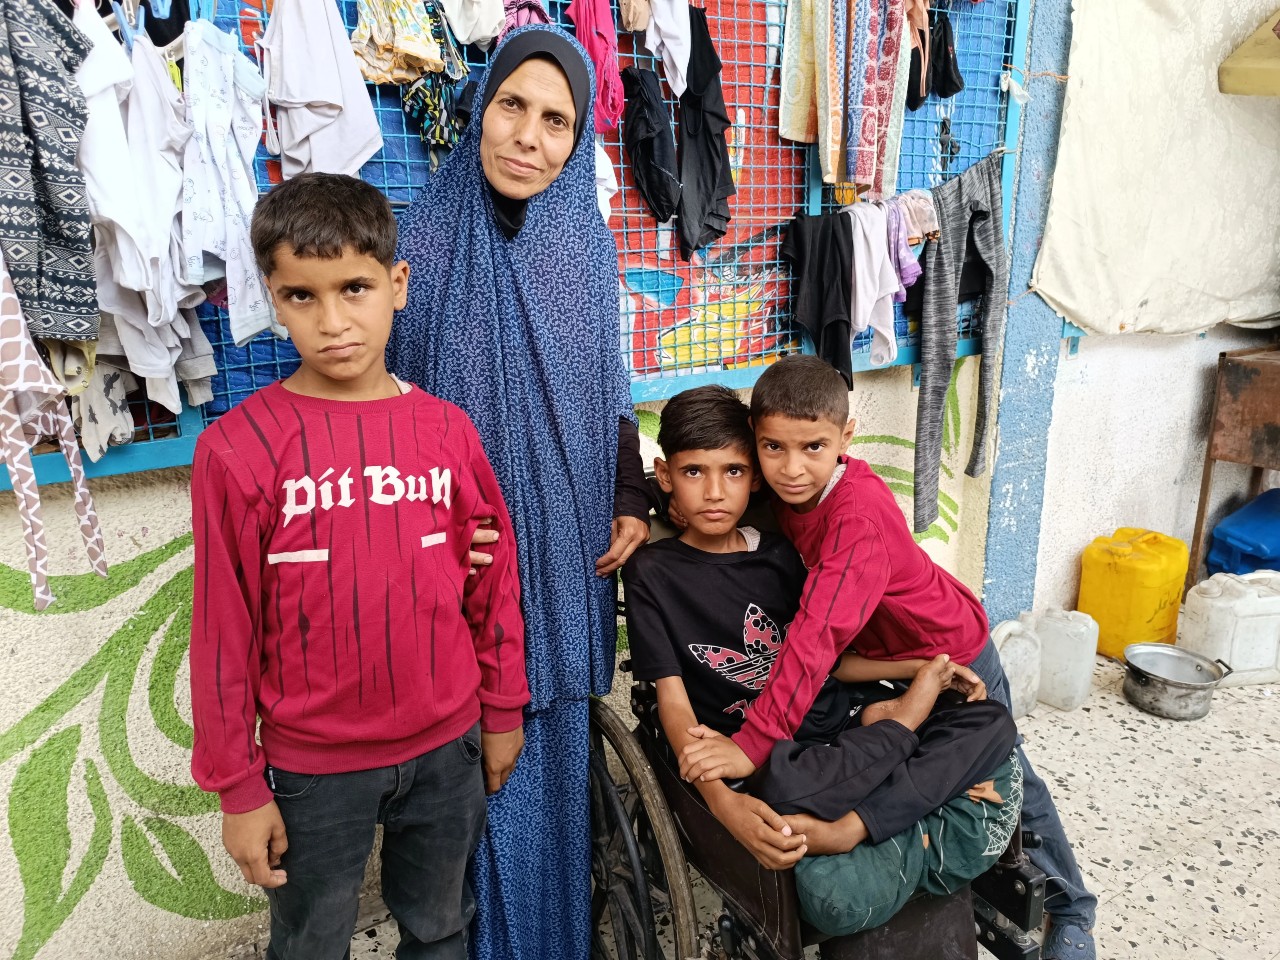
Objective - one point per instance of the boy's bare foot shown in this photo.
(824, 837)
(912, 708)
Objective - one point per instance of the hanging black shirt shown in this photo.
(646, 133)
(820, 250)
(705, 175)
(717, 620)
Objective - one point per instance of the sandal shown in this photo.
(1068, 942)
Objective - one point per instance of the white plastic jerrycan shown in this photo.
(1068, 644)
(1236, 618)
(1019, 648)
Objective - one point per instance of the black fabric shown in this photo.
(509, 213)
(718, 620)
(890, 776)
(974, 278)
(632, 494)
(705, 175)
(944, 70)
(820, 250)
(942, 73)
(162, 32)
(651, 148)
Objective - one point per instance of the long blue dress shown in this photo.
(524, 335)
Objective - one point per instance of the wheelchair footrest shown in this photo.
(1000, 936)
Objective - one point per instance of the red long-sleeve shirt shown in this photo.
(870, 587)
(331, 591)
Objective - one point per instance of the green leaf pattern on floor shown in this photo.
(164, 863)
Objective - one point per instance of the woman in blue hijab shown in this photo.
(513, 315)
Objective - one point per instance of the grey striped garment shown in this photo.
(969, 211)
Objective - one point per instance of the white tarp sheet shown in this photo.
(1165, 214)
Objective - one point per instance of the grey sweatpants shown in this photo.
(969, 212)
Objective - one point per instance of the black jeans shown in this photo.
(432, 809)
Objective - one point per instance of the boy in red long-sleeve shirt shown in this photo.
(333, 512)
(874, 604)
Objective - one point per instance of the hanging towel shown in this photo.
(706, 177)
(44, 233)
(891, 144)
(651, 148)
(323, 114)
(798, 103)
(31, 406)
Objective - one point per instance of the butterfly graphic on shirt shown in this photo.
(761, 641)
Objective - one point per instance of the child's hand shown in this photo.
(484, 535)
(713, 756)
(969, 683)
(256, 842)
(498, 753)
(756, 826)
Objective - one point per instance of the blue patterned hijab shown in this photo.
(524, 335)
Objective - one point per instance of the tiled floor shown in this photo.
(1176, 825)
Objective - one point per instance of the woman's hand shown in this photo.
(484, 536)
(626, 535)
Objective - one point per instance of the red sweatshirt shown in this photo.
(331, 591)
(870, 587)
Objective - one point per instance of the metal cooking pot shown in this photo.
(1170, 681)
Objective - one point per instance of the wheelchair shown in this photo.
(649, 828)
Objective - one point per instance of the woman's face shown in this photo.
(527, 130)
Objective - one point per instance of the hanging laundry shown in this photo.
(44, 233)
(882, 74)
(934, 67)
(393, 41)
(705, 174)
(521, 13)
(798, 103)
(224, 110)
(875, 282)
(324, 119)
(593, 26)
(432, 101)
(904, 263)
(970, 213)
(143, 313)
(606, 183)
(31, 407)
(859, 120)
(71, 362)
(669, 40)
(162, 30)
(891, 144)
(651, 148)
(475, 21)
(820, 251)
(831, 78)
(921, 217)
(101, 413)
(917, 17)
(635, 15)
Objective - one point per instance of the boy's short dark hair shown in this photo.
(321, 214)
(801, 387)
(705, 418)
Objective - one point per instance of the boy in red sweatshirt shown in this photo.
(874, 604)
(333, 512)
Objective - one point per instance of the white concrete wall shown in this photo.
(1126, 446)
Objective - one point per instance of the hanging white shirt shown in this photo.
(606, 182)
(325, 117)
(475, 21)
(874, 281)
(668, 38)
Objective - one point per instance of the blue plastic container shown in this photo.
(1248, 539)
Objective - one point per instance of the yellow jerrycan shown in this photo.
(1131, 584)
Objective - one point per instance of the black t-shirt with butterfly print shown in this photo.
(717, 620)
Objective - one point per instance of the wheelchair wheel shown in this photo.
(641, 900)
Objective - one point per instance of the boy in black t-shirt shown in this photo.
(706, 616)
